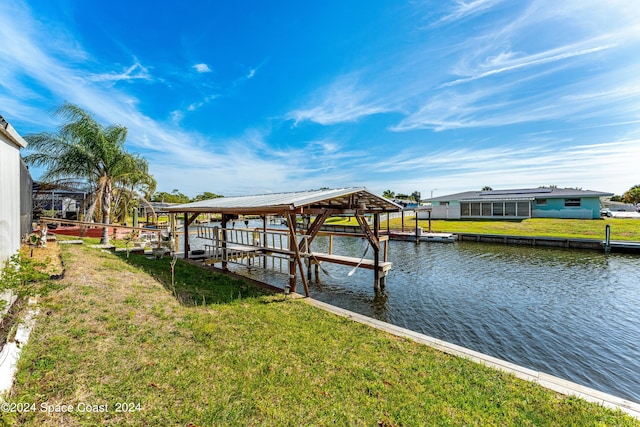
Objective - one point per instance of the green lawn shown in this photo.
(115, 338)
(621, 229)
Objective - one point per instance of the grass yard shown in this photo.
(116, 340)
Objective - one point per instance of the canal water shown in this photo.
(574, 314)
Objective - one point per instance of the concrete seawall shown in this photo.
(556, 242)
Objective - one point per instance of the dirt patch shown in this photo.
(49, 255)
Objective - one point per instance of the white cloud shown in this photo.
(343, 101)
(177, 116)
(465, 9)
(537, 59)
(134, 72)
(202, 68)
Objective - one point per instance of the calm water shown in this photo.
(572, 314)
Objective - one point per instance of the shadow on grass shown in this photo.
(194, 285)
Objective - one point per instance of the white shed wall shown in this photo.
(9, 197)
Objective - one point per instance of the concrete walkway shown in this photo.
(548, 381)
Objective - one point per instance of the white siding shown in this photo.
(441, 212)
(9, 193)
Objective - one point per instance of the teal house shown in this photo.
(543, 202)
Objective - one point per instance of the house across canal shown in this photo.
(543, 202)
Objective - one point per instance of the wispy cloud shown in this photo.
(135, 72)
(512, 63)
(202, 68)
(196, 105)
(252, 71)
(464, 9)
(343, 101)
(523, 73)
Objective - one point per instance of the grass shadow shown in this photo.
(194, 285)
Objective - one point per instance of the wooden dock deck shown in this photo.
(350, 261)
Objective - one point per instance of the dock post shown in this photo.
(417, 233)
(224, 219)
(607, 239)
(186, 236)
(377, 282)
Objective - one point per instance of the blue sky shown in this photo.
(252, 97)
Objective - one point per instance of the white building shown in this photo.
(11, 168)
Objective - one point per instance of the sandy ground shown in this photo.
(49, 255)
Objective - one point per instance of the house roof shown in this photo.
(521, 194)
(345, 200)
(9, 133)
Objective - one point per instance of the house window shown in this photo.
(523, 208)
(571, 203)
(486, 209)
(464, 209)
(475, 209)
(510, 209)
(498, 208)
(541, 202)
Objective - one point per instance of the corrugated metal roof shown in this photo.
(340, 198)
(499, 198)
(522, 194)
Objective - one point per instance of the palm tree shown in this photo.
(133, 185)
(83, 152)
(388, 194)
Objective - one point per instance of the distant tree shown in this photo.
(206, 196)
(173, 197)
(402, 196)
(416, 196)
(632, 195)
(388, 194)
(487, 188)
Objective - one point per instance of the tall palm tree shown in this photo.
(83, 152)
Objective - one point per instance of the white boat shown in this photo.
(438, 237)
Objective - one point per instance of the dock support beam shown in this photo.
(186, 235)
(223, 243)
(373, 236)
(187, 221)
(378, 281)
(295, 258)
